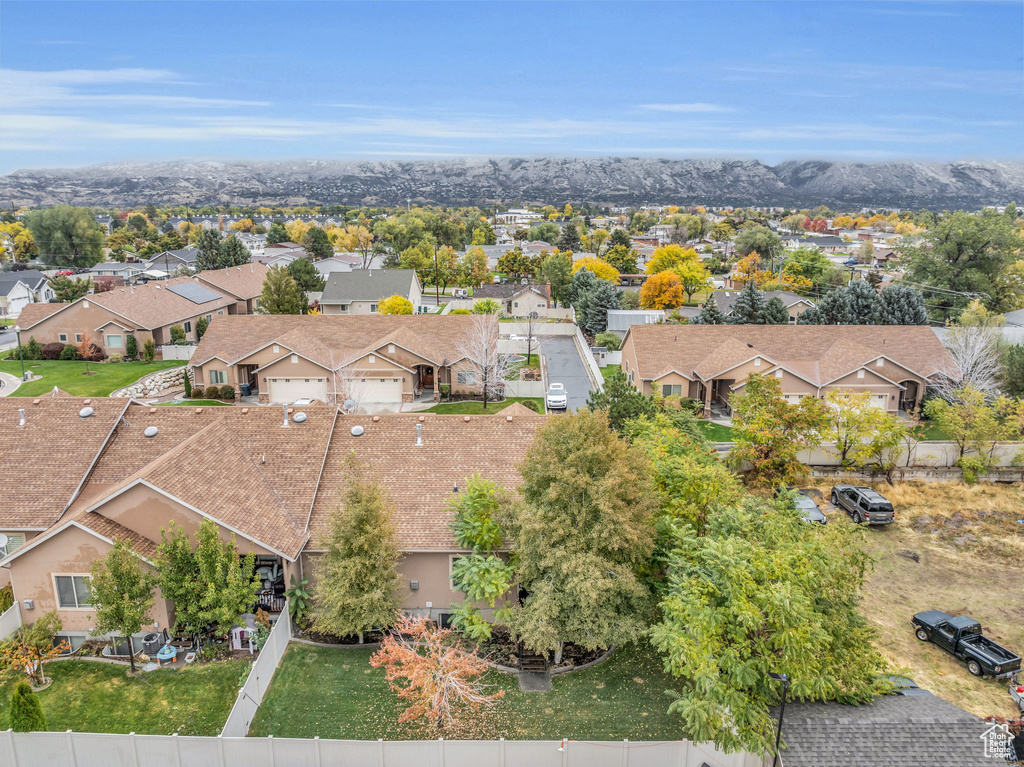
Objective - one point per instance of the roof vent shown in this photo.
(151, 431)
(21, 416)
(85, 412)
(419, 435)
(300, 417)
(357, 431)
(286, 424)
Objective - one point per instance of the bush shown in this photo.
(178, 337)
(95, 354)
(54, 351)
(69, 352)
(460, 311)
(446, 390)
(131, 347)
(6, 598)
(187, 380)
(33, 349)
(214, 650)
(26, 713)
(149, 350)
(530, 404)
(116, 357)
(197, 392)
(609, 341)
(227, 392)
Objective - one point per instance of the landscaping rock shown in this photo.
(155, 384)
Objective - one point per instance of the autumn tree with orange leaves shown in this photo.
(31, 646)
(427, 667)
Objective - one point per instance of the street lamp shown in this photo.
(21, 356)
(782, 710)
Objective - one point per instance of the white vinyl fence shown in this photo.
(177, 352)
(10, 621)
(596, 379)
(524, 388)
(75, 749)
(260, 676)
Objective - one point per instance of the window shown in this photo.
(542, 305)
(516, 304)
(343, 309)
(860, 374)
(373, 308)
(466, 377)
(209, 317)
(73, 591)
(391, 348)
(78, 338)
(218, 376)
(115, 342)
(452, 559)
(62, 337)
(221, 311)
(372, 359)
(671, 390)
(188, 326)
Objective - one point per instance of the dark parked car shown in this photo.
(963, 638)
(863, 504)
(805, 505)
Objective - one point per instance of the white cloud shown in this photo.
(694, 107)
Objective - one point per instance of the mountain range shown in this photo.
(613, 180)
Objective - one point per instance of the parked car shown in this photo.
(805, 505)
(963, 638)
(904, 685)
(556, 398)
(863, 504)
(1016, 691)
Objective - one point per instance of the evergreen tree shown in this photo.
(774, 313)
(863, 301)
(281, 294)
(835, 308)
(570, 239)
(233, 253)
(317, 244)
(600, 300)
(581, 285)
(209, 243)
(26, 713)
(749, 305)
(357, 576)
(621, 400)
(201, 326)
(306, 275)
(900, 305)
(709, 314)
(277, 233)
(811, 316)
(620, 237)
(122, 592)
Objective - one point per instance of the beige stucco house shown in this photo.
(894, 363)
(360, 291)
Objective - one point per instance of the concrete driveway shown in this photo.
(565, 366)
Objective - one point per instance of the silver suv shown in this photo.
(863, 504)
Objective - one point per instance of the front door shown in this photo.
(427, 377)
(908, 397)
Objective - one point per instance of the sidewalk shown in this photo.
(8, 384)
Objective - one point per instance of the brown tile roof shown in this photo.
(243, 282)
(419, 480)
(819, 352)
(47, 458)
(233, 337)
(34, 313)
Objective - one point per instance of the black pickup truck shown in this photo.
(963, 638)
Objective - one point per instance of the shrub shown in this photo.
(149, 350)
(95, 354)
(446, 390)
(201, 325)
(54, 351)
(178, 337)
(34, 349)
(116, 357)
(530, 404)
(460, 311)
(188, 384)
(197, 392)
(131, 347)
(609, 341)
(26, 713)
(69, 352)
(6, 598)
(227, 392)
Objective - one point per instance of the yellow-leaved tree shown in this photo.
(663, 290)
(670, 257)
(395, 305)
(601, 269)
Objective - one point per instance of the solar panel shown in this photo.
(197, 294)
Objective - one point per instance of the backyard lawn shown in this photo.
(716, 432)
(334, 693)
(88, 696)
(69, 376)
(472, 407)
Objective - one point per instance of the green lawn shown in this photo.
(931, 431)
(472, 407)
(88, 696)
(607, 369)
(193, 402)
(334, 693)
(7, 323)
(716, 432)
(69, 376)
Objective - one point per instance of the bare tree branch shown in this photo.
(486, 366)
(975, 361)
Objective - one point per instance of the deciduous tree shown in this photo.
(66, 236)
(281, 294)
(693, 277)
(663, 290)
(395, 305)
(472, 268)
(556, 269)
(670, 257)
(486, 368)
(122, 593)
(32, 646)
(277, 234)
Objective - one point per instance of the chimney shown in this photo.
(286, 424)
(419, 434)
(21, 416)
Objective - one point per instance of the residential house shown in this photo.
(243, 283)
(824, 243)
(620, 320)
(291, 249)
(170, 260)
(122, 271)
(361, 290)
(893, 363)
(795, 305)
(19, 289)
(521, 298)
(380, 359)
(271, 483)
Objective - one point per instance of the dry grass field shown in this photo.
(953, 548)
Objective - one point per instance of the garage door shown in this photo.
(381, 390)
(291, 389)
(879, 400)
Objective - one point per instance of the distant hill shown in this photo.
(616, 180)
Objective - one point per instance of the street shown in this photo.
(566, 367)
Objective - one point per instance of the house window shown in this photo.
(671, 390)
(542, 305)
(391, 348)
(78, 338)
(73, 591)
(218, 376)
(373, 308)
(343, 309)
(188, 326)
(209, 317)
(372, 359)
(452, 559)
(221, 311)
(516, 304)
(115, 342)
(466, 378)
(860, 374)
(62, 337)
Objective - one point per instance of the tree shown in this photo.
(172, 241)
(556, 270)
(31, 646)
(68, 289)
(629, 299)
(277, 233)
(569, 240)
(749, 306)
(149, 351)
(131, 344)
(595, 241)
(759, 593)
(976, 423)
(622, 259)
(584, 534)
(1013, 370)
(242, 225)
(306, 276)
(620, 238)
(209, 244)
(769, 432)
(122, 593)
(472, 268)
(774, 312)
(514, 263)
(670, 257)
(709, 314)
(355, 239)
(66, 236)
(486, 368)
(428, 668)
(16, 242)
(357, 576)
(600, 300)
(281, 294)
(975, 362)
(850, 422)
(897, 304)
(486, 306)
(484, 234)
(178, 337)
(794, 223)
(395, 305)
(620, 400)
(601, 269)
(754, 238)
(663, 290)
(26, 713)
(445, 268)
(693, 277)
(233, 253)
(419, 257)
(862, 300)
(608, 340)
(317, 244)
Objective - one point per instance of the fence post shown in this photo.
(135, 748)
(440, 752)
(625, 752)
(223, 756)
(564, 750)
(177, 749)
(14, 751)
(316, 749)
(501, 752)
(380, 752)
(72, 757)
(270, 742)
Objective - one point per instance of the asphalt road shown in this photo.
(566, 367)
(7, 337)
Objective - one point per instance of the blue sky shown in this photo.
(88, 82)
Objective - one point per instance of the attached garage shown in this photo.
(291, 389)
(381, 390)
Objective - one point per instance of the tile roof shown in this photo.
(367, 285)
(244, 281)
(330, 338)
(419, 479)
(49, 455)
(910, 731)
(819, 352)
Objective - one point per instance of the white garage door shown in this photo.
(291, 389)
(381, 390)
(879, 400)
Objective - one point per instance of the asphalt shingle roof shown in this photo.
(366, 285)
(30, 277)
